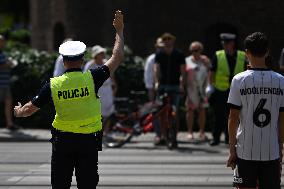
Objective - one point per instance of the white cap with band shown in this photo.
(72, 50)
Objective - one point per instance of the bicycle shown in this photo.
(140, 121)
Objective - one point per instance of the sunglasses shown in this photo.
(195, 50)
(167, 39)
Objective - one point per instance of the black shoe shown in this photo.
(214, 143)
(13, 127)
(172, 145)
(159, 141)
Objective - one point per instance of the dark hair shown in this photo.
(257, 44)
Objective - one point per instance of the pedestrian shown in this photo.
(76, 131)
(196, 81)
(149, 78)
(107, 90)
(59, 68)
(225, 64)
(256, 120)
(5, 91)
(169, 72)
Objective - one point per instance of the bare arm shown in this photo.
(24, 111)
(211, 78)
(281, 132)
(117, 53)
(156, 76)
(233, 122)
(182, 75)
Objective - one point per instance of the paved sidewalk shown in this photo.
(33, 135)
(137, 165)
(24, 135)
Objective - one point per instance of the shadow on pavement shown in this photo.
(20, 136)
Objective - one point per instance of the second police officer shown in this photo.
(225, 64)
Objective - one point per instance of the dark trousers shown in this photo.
(79, 151)
(218, 102)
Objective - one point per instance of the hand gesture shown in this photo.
(118, 21)
(205, 60)
(17, 109)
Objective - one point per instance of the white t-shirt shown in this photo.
(259, 94)
(149, 72)
(105, 92)
(59, 68)
(196, 80)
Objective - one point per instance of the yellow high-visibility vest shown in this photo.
(222, 74)
(78, 110)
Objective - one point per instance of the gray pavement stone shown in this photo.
(137, 165)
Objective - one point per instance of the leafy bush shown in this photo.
(36, 67)
(33, 69)
(18, 35)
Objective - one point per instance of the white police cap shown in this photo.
(72, 48)
(227, 36)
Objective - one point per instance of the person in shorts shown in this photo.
(256, 120)
(196, 81)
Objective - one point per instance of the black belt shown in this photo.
(57, 132)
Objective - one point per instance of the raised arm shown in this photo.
(24, 111)
(281, 133)
(117, 53)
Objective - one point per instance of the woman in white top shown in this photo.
(196, 82)
(107, 90)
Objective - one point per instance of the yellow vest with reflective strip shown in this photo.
(222, 75)
(78, 110)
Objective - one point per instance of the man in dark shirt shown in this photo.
(169, 70)
(225, 65)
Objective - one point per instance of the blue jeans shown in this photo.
(174, 91)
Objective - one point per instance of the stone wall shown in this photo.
(91, 21)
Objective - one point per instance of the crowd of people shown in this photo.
(203, 81)
(255, 99)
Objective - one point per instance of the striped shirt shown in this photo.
(258, 93)
(4, 72)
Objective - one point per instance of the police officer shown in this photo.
(225, 64)
(76, 132)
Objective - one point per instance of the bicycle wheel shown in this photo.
(117, 137)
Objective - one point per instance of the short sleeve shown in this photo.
(43, 97)
(234, 99)
(100, 75)
(149, 72)
(158, 57)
